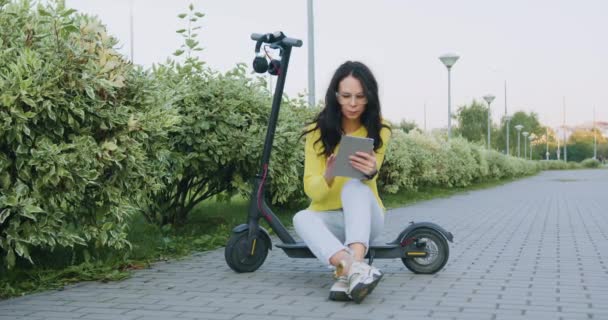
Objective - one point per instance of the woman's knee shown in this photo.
(300, 218)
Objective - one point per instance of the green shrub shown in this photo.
(462, 167)
(396, 173)
(416, 160)
(558, 165)
(78, 126)
(590, 163)
(218, 148)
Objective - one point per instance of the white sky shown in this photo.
(544, 49)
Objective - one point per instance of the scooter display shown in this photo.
(422, 246)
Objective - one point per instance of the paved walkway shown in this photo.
(533, 249)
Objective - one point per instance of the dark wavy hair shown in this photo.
(329, 120)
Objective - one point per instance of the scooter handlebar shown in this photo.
(276, 37)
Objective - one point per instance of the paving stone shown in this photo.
(536, 248)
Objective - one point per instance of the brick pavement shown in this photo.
(532, 249)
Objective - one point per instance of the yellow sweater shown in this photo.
(322, 195)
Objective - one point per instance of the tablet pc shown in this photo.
(349, 145)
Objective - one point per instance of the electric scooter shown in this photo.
(422, 246)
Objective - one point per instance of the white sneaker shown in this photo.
(339, 291)
(362, 279)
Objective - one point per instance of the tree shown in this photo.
(407, 126)
(530, 123)
(580, 144)
(473, 121)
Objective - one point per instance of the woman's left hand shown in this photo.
(364, 162)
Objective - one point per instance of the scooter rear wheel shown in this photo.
(242, 259)
(434, 244)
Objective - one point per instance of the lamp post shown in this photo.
(565, 134)
(311, 53)
(508, 120)
(558, 151)
(565, 144)
(525, 133)
(449, 60)
(547, 141)
(489, 98)
(131, 40)
(518, 128)
(594, 137)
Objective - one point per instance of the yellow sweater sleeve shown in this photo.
(315, 186)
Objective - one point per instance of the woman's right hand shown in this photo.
(329, 169)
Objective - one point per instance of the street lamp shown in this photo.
(508, 120)
(547, 141)
(311, 53)
(518, 128)
(558, 151)
(489, 98)
(594, 137)
(131, 40)
(525, 133)
(449, 60)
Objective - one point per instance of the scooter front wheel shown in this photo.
(242, 257)
(431, 242)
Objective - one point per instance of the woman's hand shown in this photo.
(329, 169)
(364, 162)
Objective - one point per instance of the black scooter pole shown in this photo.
(257, 205)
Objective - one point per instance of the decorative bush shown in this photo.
(590, 163)
(218, 148)
(396, 173)
(78, 126)
(415, 159)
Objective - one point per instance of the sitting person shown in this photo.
(345, 214)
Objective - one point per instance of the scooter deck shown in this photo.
(301, 250)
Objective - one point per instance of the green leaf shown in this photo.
(4, 214)
(28, 101)
(71, 28)
(181, 31)
(181, 15)
(42, 11)
(10, 258)
(191, 43)
(68, 12)
(178, 53)
(11, 201)
(109, 145)
(90, 92)
(32, 208)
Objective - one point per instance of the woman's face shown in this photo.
(351, 98)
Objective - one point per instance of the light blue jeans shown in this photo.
(328, 232)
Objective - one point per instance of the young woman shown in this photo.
(345, 214)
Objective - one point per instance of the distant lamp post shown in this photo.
(547, 142)
(508, 122)
(131, 40)
(449, 60)
(489, 98)
(558, 151)
(525, 134)
(594, 137)
(518, 128)
(565, 144)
